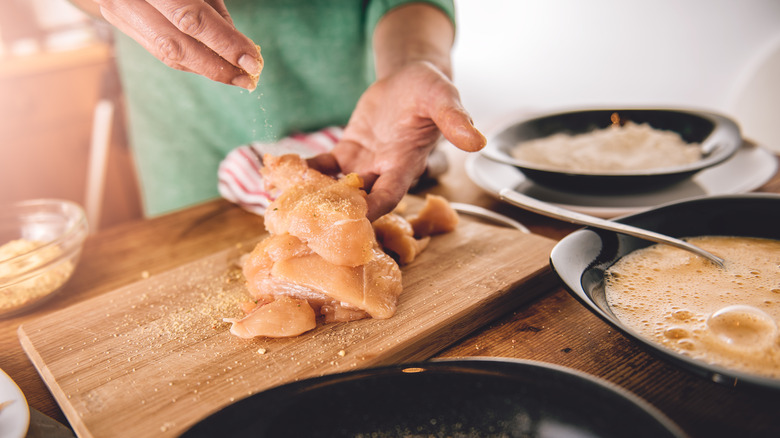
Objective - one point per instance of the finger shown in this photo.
(205, 22)
(325, 163)
(458, 128)
(356, 158)
(329, 165)
(369, 179)
(148, 28)
(219, 6)
(387, 191)
(454, 122)
(158, 36)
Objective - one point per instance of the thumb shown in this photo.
(458, 128)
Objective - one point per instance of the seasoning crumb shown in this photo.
(261, 350)
(342, 353)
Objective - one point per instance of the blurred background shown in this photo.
(61, 123)
(721, 55)
(62, 128)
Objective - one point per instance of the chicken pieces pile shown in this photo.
(323, 258)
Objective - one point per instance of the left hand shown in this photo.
(394, 127)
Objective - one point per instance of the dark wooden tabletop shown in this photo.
(554, 328)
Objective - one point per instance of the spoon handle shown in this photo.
(484, 213)
(547, 209)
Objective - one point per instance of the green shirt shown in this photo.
(318, 61)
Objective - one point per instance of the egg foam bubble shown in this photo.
(727, 317)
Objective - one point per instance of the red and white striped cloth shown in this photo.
(239, 176)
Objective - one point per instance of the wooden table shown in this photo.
(554, 328)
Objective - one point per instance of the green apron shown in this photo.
(318, 61)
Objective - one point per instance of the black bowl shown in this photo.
(464, 397)
(581, 258)
(719, 137)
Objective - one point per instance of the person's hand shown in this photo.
(394, 127)
(191, 35)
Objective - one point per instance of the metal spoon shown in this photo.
(546, 209)
(484, 213)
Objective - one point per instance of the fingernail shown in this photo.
(243, 81)
(250, 64)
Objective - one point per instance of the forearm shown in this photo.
(410, 33)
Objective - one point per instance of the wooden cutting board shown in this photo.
(154, 357)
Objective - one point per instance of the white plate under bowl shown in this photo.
(15, 417)
(750, 168)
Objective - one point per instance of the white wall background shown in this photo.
(545, 55)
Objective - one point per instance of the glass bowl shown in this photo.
(40, 246)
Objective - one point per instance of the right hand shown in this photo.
(190, 35)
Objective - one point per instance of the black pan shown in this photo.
(448, 398)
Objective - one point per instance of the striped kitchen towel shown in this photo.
(239, 179)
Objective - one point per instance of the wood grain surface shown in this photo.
(552, 328)
(157, 349)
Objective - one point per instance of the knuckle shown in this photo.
(169, 49)
(188, 19)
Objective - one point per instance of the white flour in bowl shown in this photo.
(613, 149)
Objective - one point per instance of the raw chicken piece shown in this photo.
(287, 171)
(322, 257)
(284, 266)
(435, 217)
(328, 215)
(396, 235)
(283, 317)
